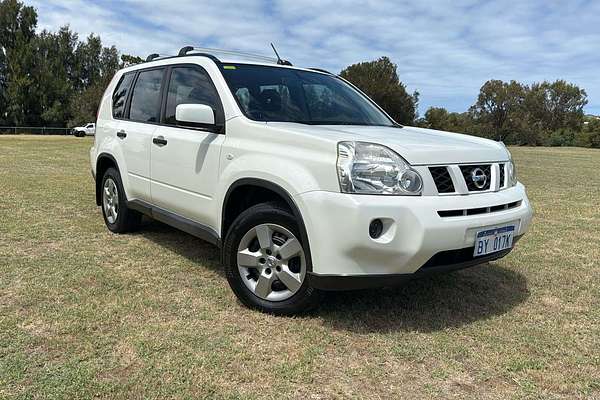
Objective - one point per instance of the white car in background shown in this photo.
(86, 130)
(302, 182)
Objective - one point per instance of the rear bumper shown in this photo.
(415, 232)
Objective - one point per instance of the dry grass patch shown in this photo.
(85, 313)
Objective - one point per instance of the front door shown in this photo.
(185, 160)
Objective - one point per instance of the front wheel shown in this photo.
(266, 262)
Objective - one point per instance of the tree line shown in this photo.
(540, 114)
(50, 78)
(54, 79)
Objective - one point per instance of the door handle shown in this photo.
(160, 141)
(122, 134)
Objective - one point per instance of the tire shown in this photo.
(117, 216)
(270, 274)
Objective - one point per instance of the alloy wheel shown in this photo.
(110, 200)
(271, 262)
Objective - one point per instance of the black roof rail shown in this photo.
(205, 52)
(321, 70)
(193, 51)
(152, 57)
(156, 56)
(185, 50)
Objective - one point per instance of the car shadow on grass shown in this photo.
(200, 252)
(425, 304)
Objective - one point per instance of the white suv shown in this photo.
(301, 180)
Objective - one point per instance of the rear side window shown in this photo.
(145, 99)
(120, 95)
(190, 85)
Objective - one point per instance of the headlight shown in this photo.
(511, 170)
(369, 168)
(512, 173)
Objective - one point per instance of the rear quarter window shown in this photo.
(120, 95)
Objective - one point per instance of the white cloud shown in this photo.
(445, 49)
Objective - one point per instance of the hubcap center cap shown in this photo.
(271, 262)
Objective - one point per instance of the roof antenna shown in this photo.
(279, 60)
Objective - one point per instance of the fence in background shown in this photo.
(33, 130)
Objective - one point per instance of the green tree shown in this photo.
(379, 80)
(590, 136)
(129, 60)
(498, 108)
(85, 105)
(50, 78)
(441, 119)
(557, 105)
(17, 30)
(87, 55)
(86, 102)
(3, 82)
(437, 118)
(53, 75)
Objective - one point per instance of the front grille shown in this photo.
(442, 179)
(479, 210)
(468, 173)
(450, 257)
(461, 257)
(501, 177)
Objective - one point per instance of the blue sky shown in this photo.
(444, 49)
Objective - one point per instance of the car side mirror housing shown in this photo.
(195, 115)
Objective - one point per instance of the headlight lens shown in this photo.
(512, 173)
(369, 168)
(511, 169)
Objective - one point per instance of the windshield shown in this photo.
(288, 95)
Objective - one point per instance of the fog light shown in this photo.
(375, 228)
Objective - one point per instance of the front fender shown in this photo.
(291, 176)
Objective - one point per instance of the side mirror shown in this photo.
(199, 115)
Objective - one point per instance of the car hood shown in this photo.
(418, 146)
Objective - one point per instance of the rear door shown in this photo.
(185, 160)
(137, 127)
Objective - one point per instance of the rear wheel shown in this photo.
(266, 262)
(117, 216)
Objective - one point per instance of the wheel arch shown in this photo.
(103, 162)
(280, 192)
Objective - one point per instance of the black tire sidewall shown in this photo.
(120, 225)
(273, 213)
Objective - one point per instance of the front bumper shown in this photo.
(341, 248)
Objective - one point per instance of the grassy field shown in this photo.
(85, 313)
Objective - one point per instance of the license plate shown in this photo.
(493, 240)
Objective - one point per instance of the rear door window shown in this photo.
(120, 95)
(145, 98)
